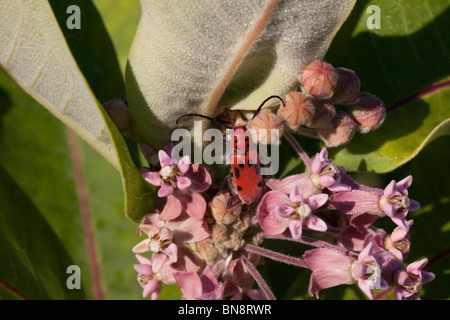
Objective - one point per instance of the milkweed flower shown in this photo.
(277, 212)
(180, 182)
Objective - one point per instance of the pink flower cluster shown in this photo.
(210, 246)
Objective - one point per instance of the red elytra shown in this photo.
(245, 179)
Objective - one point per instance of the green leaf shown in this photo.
(34, 53)
(195, 56)
(34, 262)
(406, 63)
(39, 158)
(121, 20)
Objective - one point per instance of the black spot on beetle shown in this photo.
(260, 184)
(239, 188)
(241, 165)
(237, 174)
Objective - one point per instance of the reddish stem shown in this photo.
(275, 255)
(258, 278)
(85, 215)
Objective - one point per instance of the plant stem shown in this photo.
(275, 255)
(298, 148)
(258, 278)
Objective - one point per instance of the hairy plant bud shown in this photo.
(342, 130)
(369, 112)
(267, 127)
(323, 115)
(319, 79)
(298, 109)
(222, 213)
(347, 87)
(119, 113)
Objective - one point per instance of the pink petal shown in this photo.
(404, 184)
(389, 190)
(158, 260)
(398, 234)
(143, 269)
(172, 252)
(152, 287)
(322, 258)
(190, 284)
(327, 278)
(363, 221)
(365, 254)
(326, 181)
(164, 159)
(399, 219)
(357, 202)
(255, 294)
(317, 200)
(143, 260)
(165, 234)
(151, 177)
(172, 209)
(141, 247)
(296, 194)
(149, 229)
(267, 217)
(188, 230)
(184, 164)
(413, 205)
(313, 222)
(193, 203)
(352, 239)
(364, 285)
(296, 228)
(199, 176)
(209, 281)
(287, 184)
(417, 266)
(183, 182)
(284, 210)
(165, 190)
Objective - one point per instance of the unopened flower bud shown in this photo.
(119, 113)
(267, 128)
(224, 212)
(298, 109)
(319, 79)
(369, 112)
(342, 130)
(323, 115)
(347, 87)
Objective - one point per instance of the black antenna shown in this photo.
(203, 116)
(264, 102)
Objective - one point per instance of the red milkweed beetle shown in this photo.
(245, 179)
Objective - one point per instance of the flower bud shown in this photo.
(347, 87)
(342, 130)
(266, 127)
(222, 213)
(298, 109)
(369, 112)
(119, 113)
(323, 115)
(319, 79)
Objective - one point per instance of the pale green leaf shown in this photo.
(34, 53)
(198, 56)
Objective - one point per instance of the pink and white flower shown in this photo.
(277, 212)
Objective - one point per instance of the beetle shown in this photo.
(245, 179)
